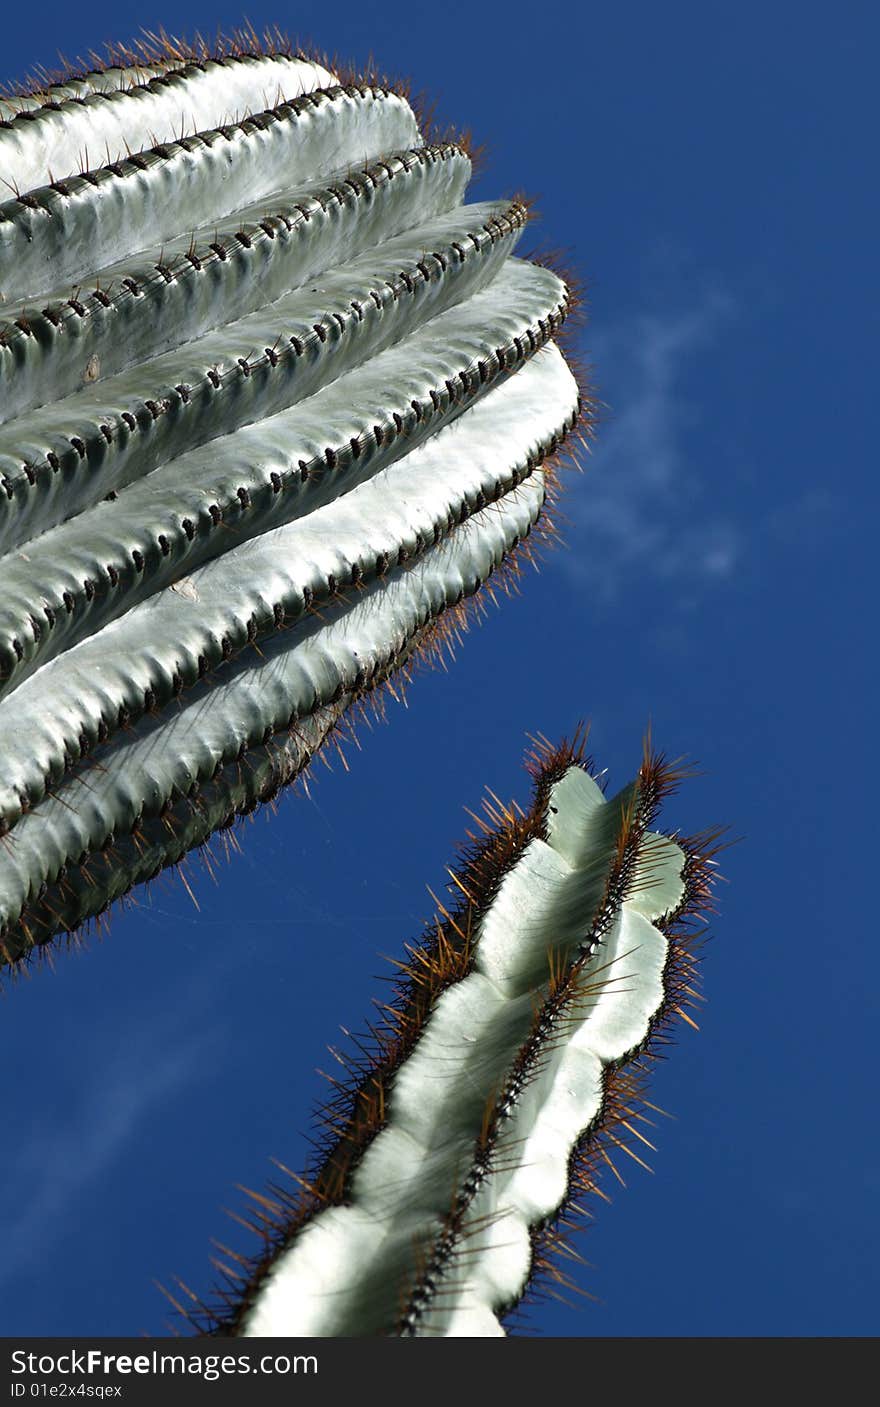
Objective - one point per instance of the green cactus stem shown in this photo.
(506, 1070)
(301, 401)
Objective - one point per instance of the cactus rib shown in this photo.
(140, 309)
(61, 233)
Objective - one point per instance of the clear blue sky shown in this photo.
(711, 169)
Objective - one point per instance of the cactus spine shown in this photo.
(273, 399)
(506, 1068)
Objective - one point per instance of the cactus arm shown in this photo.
(92, 569)
(493, 1082)
(61, 234)
(548, 1102)
(425, 1178)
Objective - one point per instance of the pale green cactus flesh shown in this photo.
(273, 398)
(505, 1069)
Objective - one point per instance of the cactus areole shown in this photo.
(273, 400)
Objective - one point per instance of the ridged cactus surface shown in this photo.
(506, 1071)
(273, 398)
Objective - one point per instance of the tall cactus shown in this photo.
(506, 1070)
(273, 398)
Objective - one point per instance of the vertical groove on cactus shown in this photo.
(258, 434)
(505, 1070)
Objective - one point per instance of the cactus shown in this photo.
(273, 399)
(507, 1068)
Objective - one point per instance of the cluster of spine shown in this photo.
(506, 1071)
(273, 401)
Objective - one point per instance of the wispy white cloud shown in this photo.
(643, 510)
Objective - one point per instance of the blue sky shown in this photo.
(709, 170)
